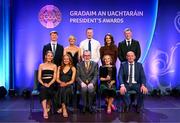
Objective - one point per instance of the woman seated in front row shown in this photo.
(46, 77)
(65, 77)
(108, 82)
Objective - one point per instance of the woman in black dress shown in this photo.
(65, 77)
(73, 50)
(46, 77)
(108, 82)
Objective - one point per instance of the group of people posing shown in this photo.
(73, 65)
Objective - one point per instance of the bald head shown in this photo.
(130, 56)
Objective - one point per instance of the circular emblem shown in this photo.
(177, 22)
(50, 16)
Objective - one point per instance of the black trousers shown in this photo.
(126, 97)
(87, 96)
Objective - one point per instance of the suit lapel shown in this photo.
(49, 47)
(132, 43)
(135, 71)
(83, 66)
(125, 46)
(124, 43)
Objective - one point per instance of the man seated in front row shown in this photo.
(87, 74)
(131, 77)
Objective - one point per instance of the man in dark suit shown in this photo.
(131, 77)
(56, 48)
(128, 44)
(87, 74)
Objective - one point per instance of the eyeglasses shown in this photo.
(87, 55)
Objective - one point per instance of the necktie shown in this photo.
(130, 74)
(128, 44)
(54, 49)
(87, 65)
(89, 46)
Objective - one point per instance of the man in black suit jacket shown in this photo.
(87, 75)
(131, 77)
(56, 48)
(128, 44)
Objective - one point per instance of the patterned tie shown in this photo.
(130, 74)
(87, 65)
(89, 46)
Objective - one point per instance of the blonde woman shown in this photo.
(108, 82)
(73, 50)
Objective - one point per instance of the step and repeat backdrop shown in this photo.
(155, 24)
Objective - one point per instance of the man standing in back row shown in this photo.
(56, 48)
(128, 44)
(92, 45)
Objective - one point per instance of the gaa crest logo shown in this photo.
(50, 16)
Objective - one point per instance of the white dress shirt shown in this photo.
(53, 42)
(95, 46)
(127, 41)
(133, 73)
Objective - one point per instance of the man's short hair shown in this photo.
(127, 29)
(130, 52)
(86, 51)
(89, 29)
(53, 32)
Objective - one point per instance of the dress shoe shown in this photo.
(45, 115)
(113, 107)
(59, 111)
(138, 109)
(91, 110)
(108, 110)
(65, 114)
(129, 107)
(84, 110)
(125, 109)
